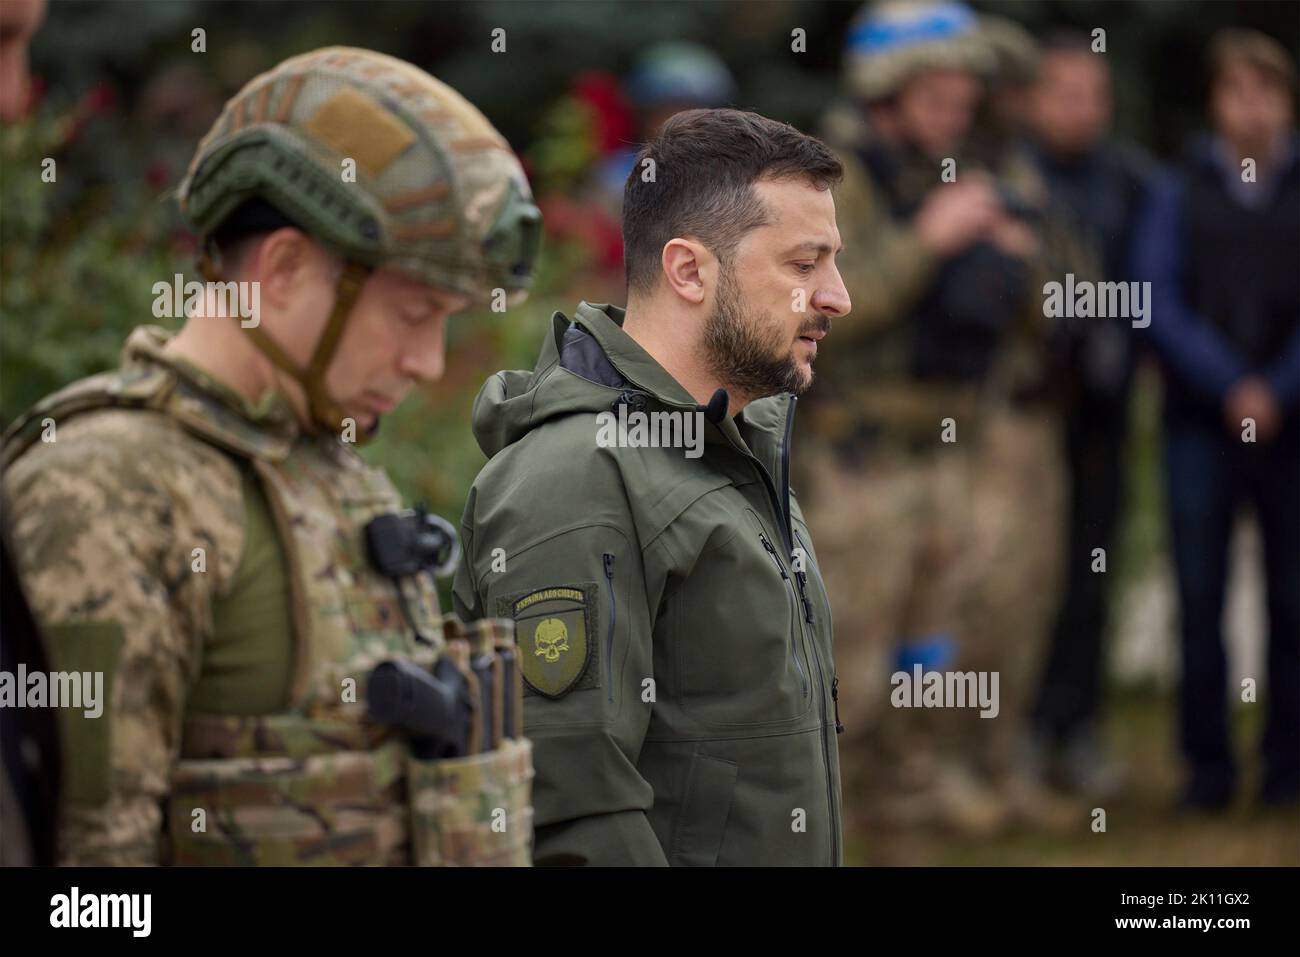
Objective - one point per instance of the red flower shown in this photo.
(158, 175)
(615, 119)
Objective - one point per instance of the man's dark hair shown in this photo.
(705, 165)
(248, 221)
(1257, 50)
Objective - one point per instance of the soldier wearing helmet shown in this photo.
(941, 269)
(193, 525)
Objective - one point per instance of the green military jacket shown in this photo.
(673, 626)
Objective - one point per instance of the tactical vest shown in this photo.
(875, 395)
(320, 783)
(1240, 262)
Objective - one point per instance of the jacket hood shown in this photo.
(590, 365)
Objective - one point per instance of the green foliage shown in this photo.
(76, 272)
(564, 151)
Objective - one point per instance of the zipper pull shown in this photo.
(835, 697)
(802, 579)
(608, 559)
(771, 550)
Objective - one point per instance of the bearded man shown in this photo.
(674, 630)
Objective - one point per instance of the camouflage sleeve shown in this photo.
(885, 266)
(123, 528)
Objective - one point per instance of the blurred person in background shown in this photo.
(1219, 243)
(577, 134)
(1012, 560)
(1003, 115)
(667, 78)
(940, 274)
(589, 142)
(18, 21)
(1100, 185)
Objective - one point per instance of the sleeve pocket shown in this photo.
(87, 648)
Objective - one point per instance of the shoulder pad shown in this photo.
(134, 387)
(155, 387)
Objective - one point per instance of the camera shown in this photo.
(406, 543)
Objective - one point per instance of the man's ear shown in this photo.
(688, 268)
(283, 262)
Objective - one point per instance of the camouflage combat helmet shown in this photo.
(890, 41)
(434, 190)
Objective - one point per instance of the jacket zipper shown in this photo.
(794, 642)
(782, 507)
(803, 587)
(781, 504)
(802, 577)
(821, 689)
(609, 639)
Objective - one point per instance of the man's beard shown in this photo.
(745, 354)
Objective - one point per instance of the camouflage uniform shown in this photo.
(897, 510)
(888, 497)
(207, 554)
(1012, 569)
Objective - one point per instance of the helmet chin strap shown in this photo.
(324, 414)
